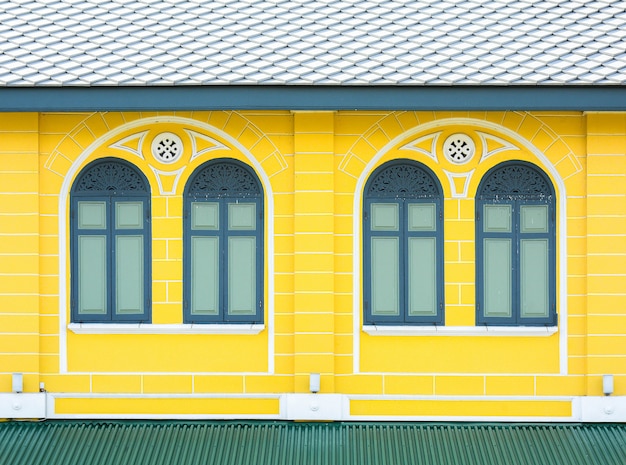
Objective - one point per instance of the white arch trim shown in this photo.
(462, 331)
(161, 329)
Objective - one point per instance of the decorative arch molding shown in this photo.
(93, 133)
(405, 131)
(419, 132)
(98, 129)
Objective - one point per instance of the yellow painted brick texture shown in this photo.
(19, 253)
(314, 276)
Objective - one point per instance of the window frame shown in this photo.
(403, 200)
(229, 196)
(516, 200)
(119, 191)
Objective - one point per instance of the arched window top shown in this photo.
(224, 178)
(516, 180)
(111, 176)
(403, 179)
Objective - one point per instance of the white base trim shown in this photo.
(314, 407)
(22, 406)
(141, 328)
(434, 330)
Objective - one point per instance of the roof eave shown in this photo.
(314, 98)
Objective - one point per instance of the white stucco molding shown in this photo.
(434, 330)
(141, 328)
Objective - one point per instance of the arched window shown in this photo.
(110, 244)
(403, 245)
(223, 244)
(515, 247)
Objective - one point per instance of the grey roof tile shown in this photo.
(426, 42)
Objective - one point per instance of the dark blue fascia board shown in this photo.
(267, 97)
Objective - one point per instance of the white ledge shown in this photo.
(142, 328)
(374, 330)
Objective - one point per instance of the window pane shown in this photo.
(205, 215)
(92, 215)
(241, 275)
(241, 216)
(534, 278)
(497, 218)
(385, 217)
(204, 276)
(497, 276)
(129, 275)
(422, 217)
(92, 281)
(129, 215)
(422, 276)
(534, 218)
(385, 281)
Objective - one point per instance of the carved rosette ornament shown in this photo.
(459, 148)
(167, 147)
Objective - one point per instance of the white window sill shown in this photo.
(143, 328)
(374, 330)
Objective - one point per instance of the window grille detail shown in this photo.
(224, 179)
(110, 176)
(515, 181)
(403, 180)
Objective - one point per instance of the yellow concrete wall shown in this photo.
(313, 165)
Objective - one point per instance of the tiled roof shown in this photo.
(316, 42)
(258, 443)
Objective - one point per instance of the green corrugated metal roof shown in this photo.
(284, 443)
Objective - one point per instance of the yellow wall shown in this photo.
(313, 166)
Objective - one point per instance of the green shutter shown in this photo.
(92, 275)
(92, 215)
(497, 218)
(129, 215)
(129, 274)
(205, 276)
(534, 278)
(497, 277)
(241, 275)
(422, 217)
(422, 277)
(534, 218)
(385, 281)
(205, 216)
(241, 216)
(385, 217)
